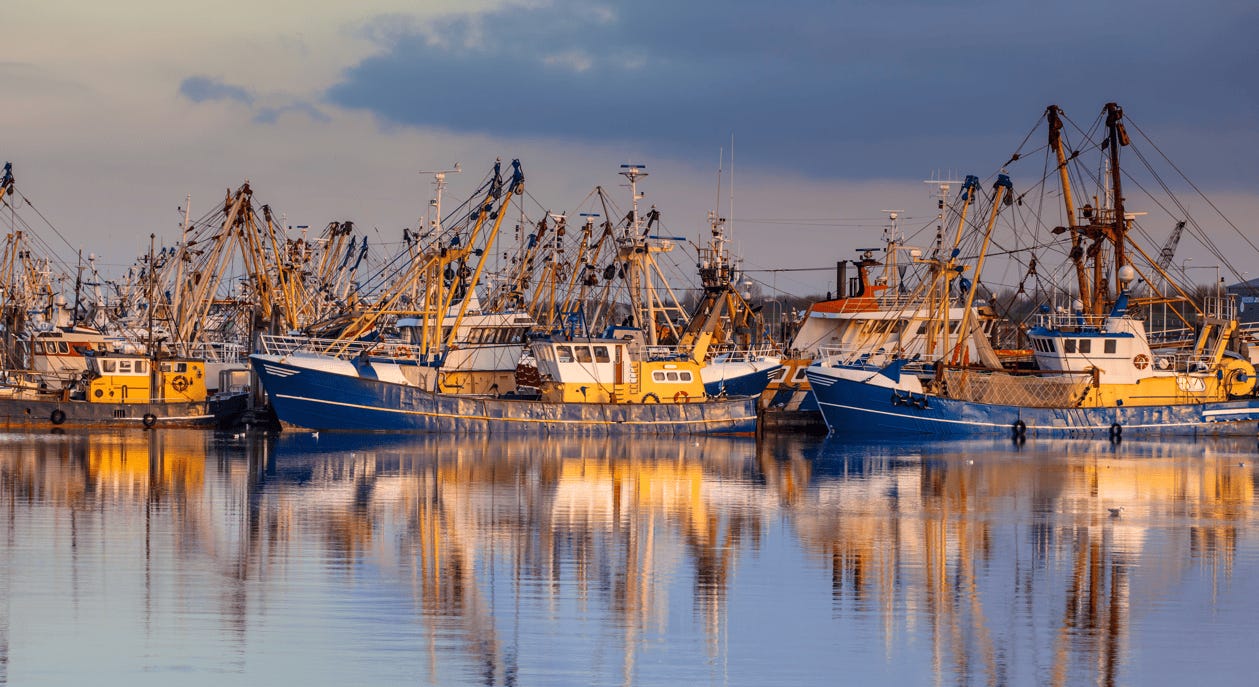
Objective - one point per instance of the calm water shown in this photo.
(189, 558)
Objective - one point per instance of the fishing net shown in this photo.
(1005, 389)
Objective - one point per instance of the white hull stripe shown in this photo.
(1047, 427)
(1230, 411)
(279, 371)
(514, 419)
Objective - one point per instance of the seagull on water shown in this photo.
(314, 435)
(1114, 512)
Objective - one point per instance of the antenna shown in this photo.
(633, 172)
(730, 215)
(721, 152)
(439, 182)
(942, 198)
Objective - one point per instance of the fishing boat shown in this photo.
(589, 385)
(605, 384)
(721, 326)
(118, 390)
(879, 316)
(1097, 372)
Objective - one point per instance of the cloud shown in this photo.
(576, 60)
(269, 115)
(201, 89)
(830, 88)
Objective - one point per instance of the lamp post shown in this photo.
(778, 313)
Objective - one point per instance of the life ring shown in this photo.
(652, 395)
(680, 397)
(1020, 428)
(58, 416)
(1141, 361)
(149, 420)
(179, 383)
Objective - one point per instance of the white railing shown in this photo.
(346, 350)
(726, 353)
(218, 352)
(1166, 336)
(750, 354)
(1070, 321)
(1220, 307)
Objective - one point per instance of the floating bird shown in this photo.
(970, 461)
(314, 435)
(1241, 465)
(1114, 512)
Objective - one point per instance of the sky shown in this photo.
(113, 113)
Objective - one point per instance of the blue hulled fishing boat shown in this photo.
(1096, 371)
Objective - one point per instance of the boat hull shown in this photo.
(862, 408)
(42, 413)
(741, 378)
(317, 399)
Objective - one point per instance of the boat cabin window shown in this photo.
(670, 376)
(1110, 345)
(109, 367)
(174, 367)
(684, 376)
(563, 354)
(39, 347)
(124, 367)
(583, 354)
(141, 367)
(62, 347)
(1086, 346)
(601, 354)
(1068, 345)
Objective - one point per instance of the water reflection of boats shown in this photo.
(970, 536)
(965, 548)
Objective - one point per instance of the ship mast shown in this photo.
(1116, 136)
(633, 241)
(1053, 116)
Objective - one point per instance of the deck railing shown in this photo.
(346, 350)
(1070, 321)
